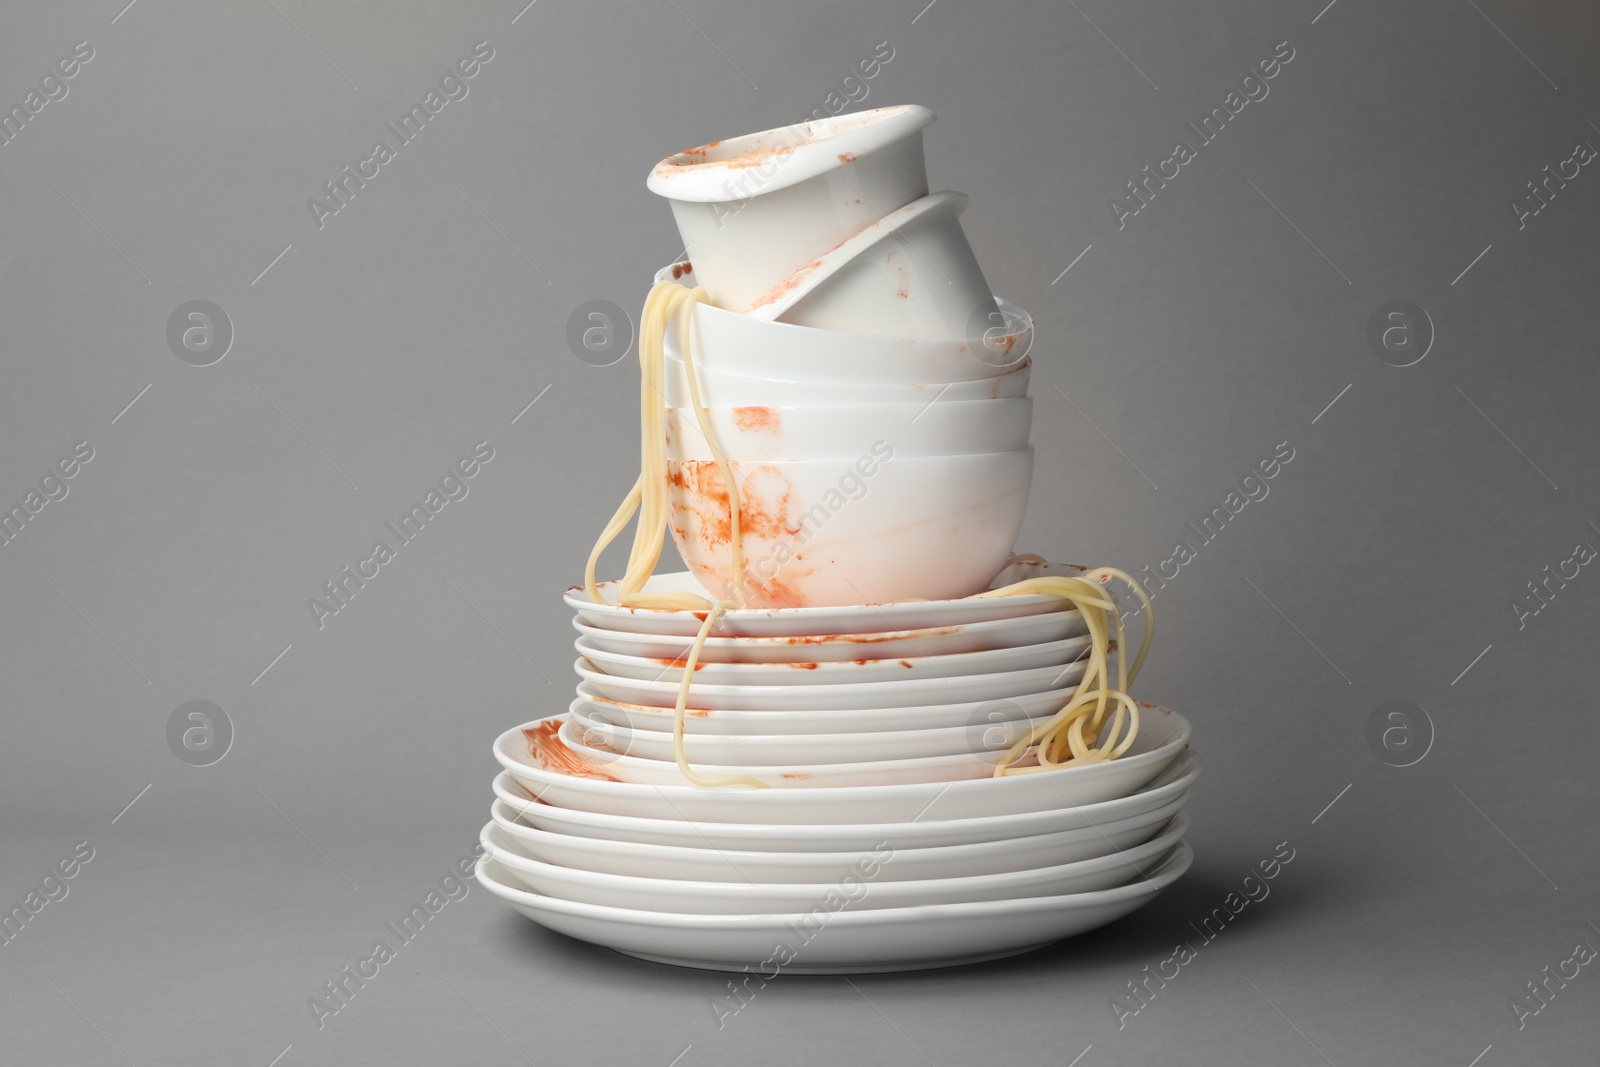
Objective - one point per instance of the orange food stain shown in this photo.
(847, 157)
(757, 419)
(553, 754)
(680, 269)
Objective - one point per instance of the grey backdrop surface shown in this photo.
(369, 354)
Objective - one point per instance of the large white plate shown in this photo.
(647, 860)
(846, 672)
(833, 939)
(951, 690)
(1171, 784)
(810, 622)
(556, 775)
(730, 721)
(829, 648)
(865, 881)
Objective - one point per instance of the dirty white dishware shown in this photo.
(910, 274)
(729, 342)
(739, 722)
(1147, 806)
(847, 432)
(771, 750)
(816, 621)
(841, 672)
(823, 648)
(541, 763)
(752, 209)
(822, 532)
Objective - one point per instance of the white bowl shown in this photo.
(840, 672)
(729, 342)
(1172, 784)
(858, 696)
(724, 389)
(816, 621)
(983, 735)
(849, 432)
(833, 939)
(764, 898)
(825, 648)
(752, 209)
(552, 772)
(910, 274)
(737, 722)
(590, 747)
(822, 532)
(645, 859)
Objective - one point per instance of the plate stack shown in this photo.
(832, 803)
(883, 843)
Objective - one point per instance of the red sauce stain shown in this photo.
(551, 753)
(701, 615)
(680, 269)
(680, 664)
(766, 498)
(847, 157)
(803, 666)
(757, 419)
(775, 593)
(905, 663)
(799, 777)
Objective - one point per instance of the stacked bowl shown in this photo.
(883, 841)
(868, 391)
(830, 796)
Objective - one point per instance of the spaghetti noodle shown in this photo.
(1098, 722)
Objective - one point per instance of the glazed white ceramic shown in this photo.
(818, 621)
(774, 750)
(591, 747)
(753, 209)
(830, 940)
(738, 344)
(912, 863)
(729, 722)
(724, 389)
(910, 274)
(555, 774)
(820, 532)
(863, 883)
(956, 689)
(1171, 785)
(826, 648)
(848, 432)
(840, 672)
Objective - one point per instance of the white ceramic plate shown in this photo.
(552, 772)
(838, 940)
(982, 734)
(952, 690)
(1170, 785)
(829, 648)
(841, 672)
(809, 622)
(756, 723)
(591, 748)
(644, 860)
(867, 882)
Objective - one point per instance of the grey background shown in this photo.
(424, 317)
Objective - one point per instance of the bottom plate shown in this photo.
(832, 938)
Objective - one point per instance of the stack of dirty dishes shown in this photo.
(835, 775)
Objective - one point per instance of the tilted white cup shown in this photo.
(753, 209)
